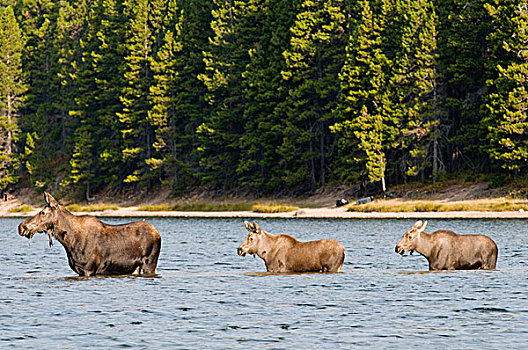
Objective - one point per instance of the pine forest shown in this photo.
(269, 97)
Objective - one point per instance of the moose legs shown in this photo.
(150, 261)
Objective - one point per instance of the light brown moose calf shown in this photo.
(284, 253)
(446, 250)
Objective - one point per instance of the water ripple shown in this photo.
(206, 296)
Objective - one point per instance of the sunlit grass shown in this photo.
(197, 207)
(273, 208)
(91, 208)
(431, 206)
(208, 207)
(21, 209)
(158, 207)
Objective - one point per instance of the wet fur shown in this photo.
(96, 248)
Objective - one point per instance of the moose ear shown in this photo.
(422, 229)
(248, 226)
(257, 228)
(418, 224)
(52, 202)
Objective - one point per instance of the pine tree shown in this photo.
(313, 62)
(260, 168)
(71, 20)
(463, 56)
(165, 68)
(240, 95)
(367, 121)
(225, 61)
(414, 82)
(143, 34)
(507, 117)
(38, 19)
(177, 104)
(12, 89)
(98, 78)
(191, 105)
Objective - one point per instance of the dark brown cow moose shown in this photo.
(93, 247)
(446, 250)
(284, 253)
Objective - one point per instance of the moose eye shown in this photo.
(250, 238)
(410, 237)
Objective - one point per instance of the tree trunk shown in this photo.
(435, 136)
(88, 198)
(435, 155)
(322, 155)
(312, 165)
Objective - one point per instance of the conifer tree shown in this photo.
(12, 89)
(97, 142)
(177, 104)
(71, 20)
(225, 61)
(313, 62)
(162, 102)
(367, 121)
(414, 84)
(260, 164)
(38, 19)
(507, 107)
(463, 58)
(49, 131)
(143, 35)
(240, 95)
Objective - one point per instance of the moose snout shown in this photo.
(241, 252)
(22, 229)
(399, 250)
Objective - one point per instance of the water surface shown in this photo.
(206, 296)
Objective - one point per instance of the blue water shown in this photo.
(206, 296)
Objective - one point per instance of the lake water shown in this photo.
(206, 296)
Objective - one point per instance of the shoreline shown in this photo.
(308, 213)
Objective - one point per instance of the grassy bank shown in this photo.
(197, 207)
(209, 207)
(396, 206)
(450, 195)
(273, 208)
(21, 209)
(91, 208)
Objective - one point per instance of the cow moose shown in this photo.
(93, 247)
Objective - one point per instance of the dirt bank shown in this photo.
(323, 201)
(301, 213)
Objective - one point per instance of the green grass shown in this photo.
(21, 209)
(91, 208)
(273, 208)
(426, 206)
(258, 208)
(197, 207)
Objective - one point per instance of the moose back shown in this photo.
(93, 247)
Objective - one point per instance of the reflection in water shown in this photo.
(205, 295)
(262, 274)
